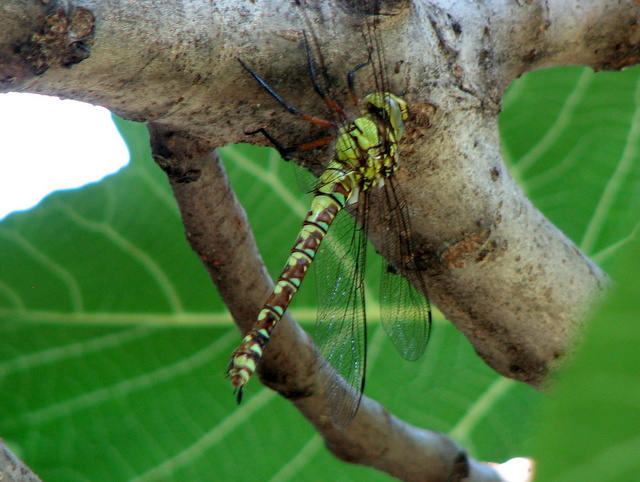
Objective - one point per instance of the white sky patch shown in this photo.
(48, 144)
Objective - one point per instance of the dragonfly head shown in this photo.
(389, 108)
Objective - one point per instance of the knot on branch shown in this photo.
(60, 40)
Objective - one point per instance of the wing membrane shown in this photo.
(340, 332)
(406, 313)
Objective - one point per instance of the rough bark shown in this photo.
(12, 469)
(494, 265)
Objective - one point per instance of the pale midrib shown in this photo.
(94, 318)
(49, 264)
(561, 123)
(270, 179)
(614, 185)
(121, 389)
(162, 280)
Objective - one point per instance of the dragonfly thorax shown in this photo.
(368, 146)
(389, 109)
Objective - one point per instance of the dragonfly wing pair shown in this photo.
(340, 332)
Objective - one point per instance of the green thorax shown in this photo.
(366, 149)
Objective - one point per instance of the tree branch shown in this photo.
(12, 469)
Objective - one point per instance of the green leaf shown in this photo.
(590, 429)
(583, 172)
(570, 139)
(113, 341)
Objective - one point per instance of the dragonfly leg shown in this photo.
(285, 151)
(282, 150)
(281, 101)
(351, 81)
(321, 91)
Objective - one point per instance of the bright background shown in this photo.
(47, 144)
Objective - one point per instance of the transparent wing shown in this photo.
(406, 313)
(307, 182)
(340, 332)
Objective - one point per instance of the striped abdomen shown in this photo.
(337, 185)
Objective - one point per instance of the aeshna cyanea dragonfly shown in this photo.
(365, 161)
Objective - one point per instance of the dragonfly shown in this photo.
(364, 164)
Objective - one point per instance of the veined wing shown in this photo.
(406, 313)
(340, 332)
